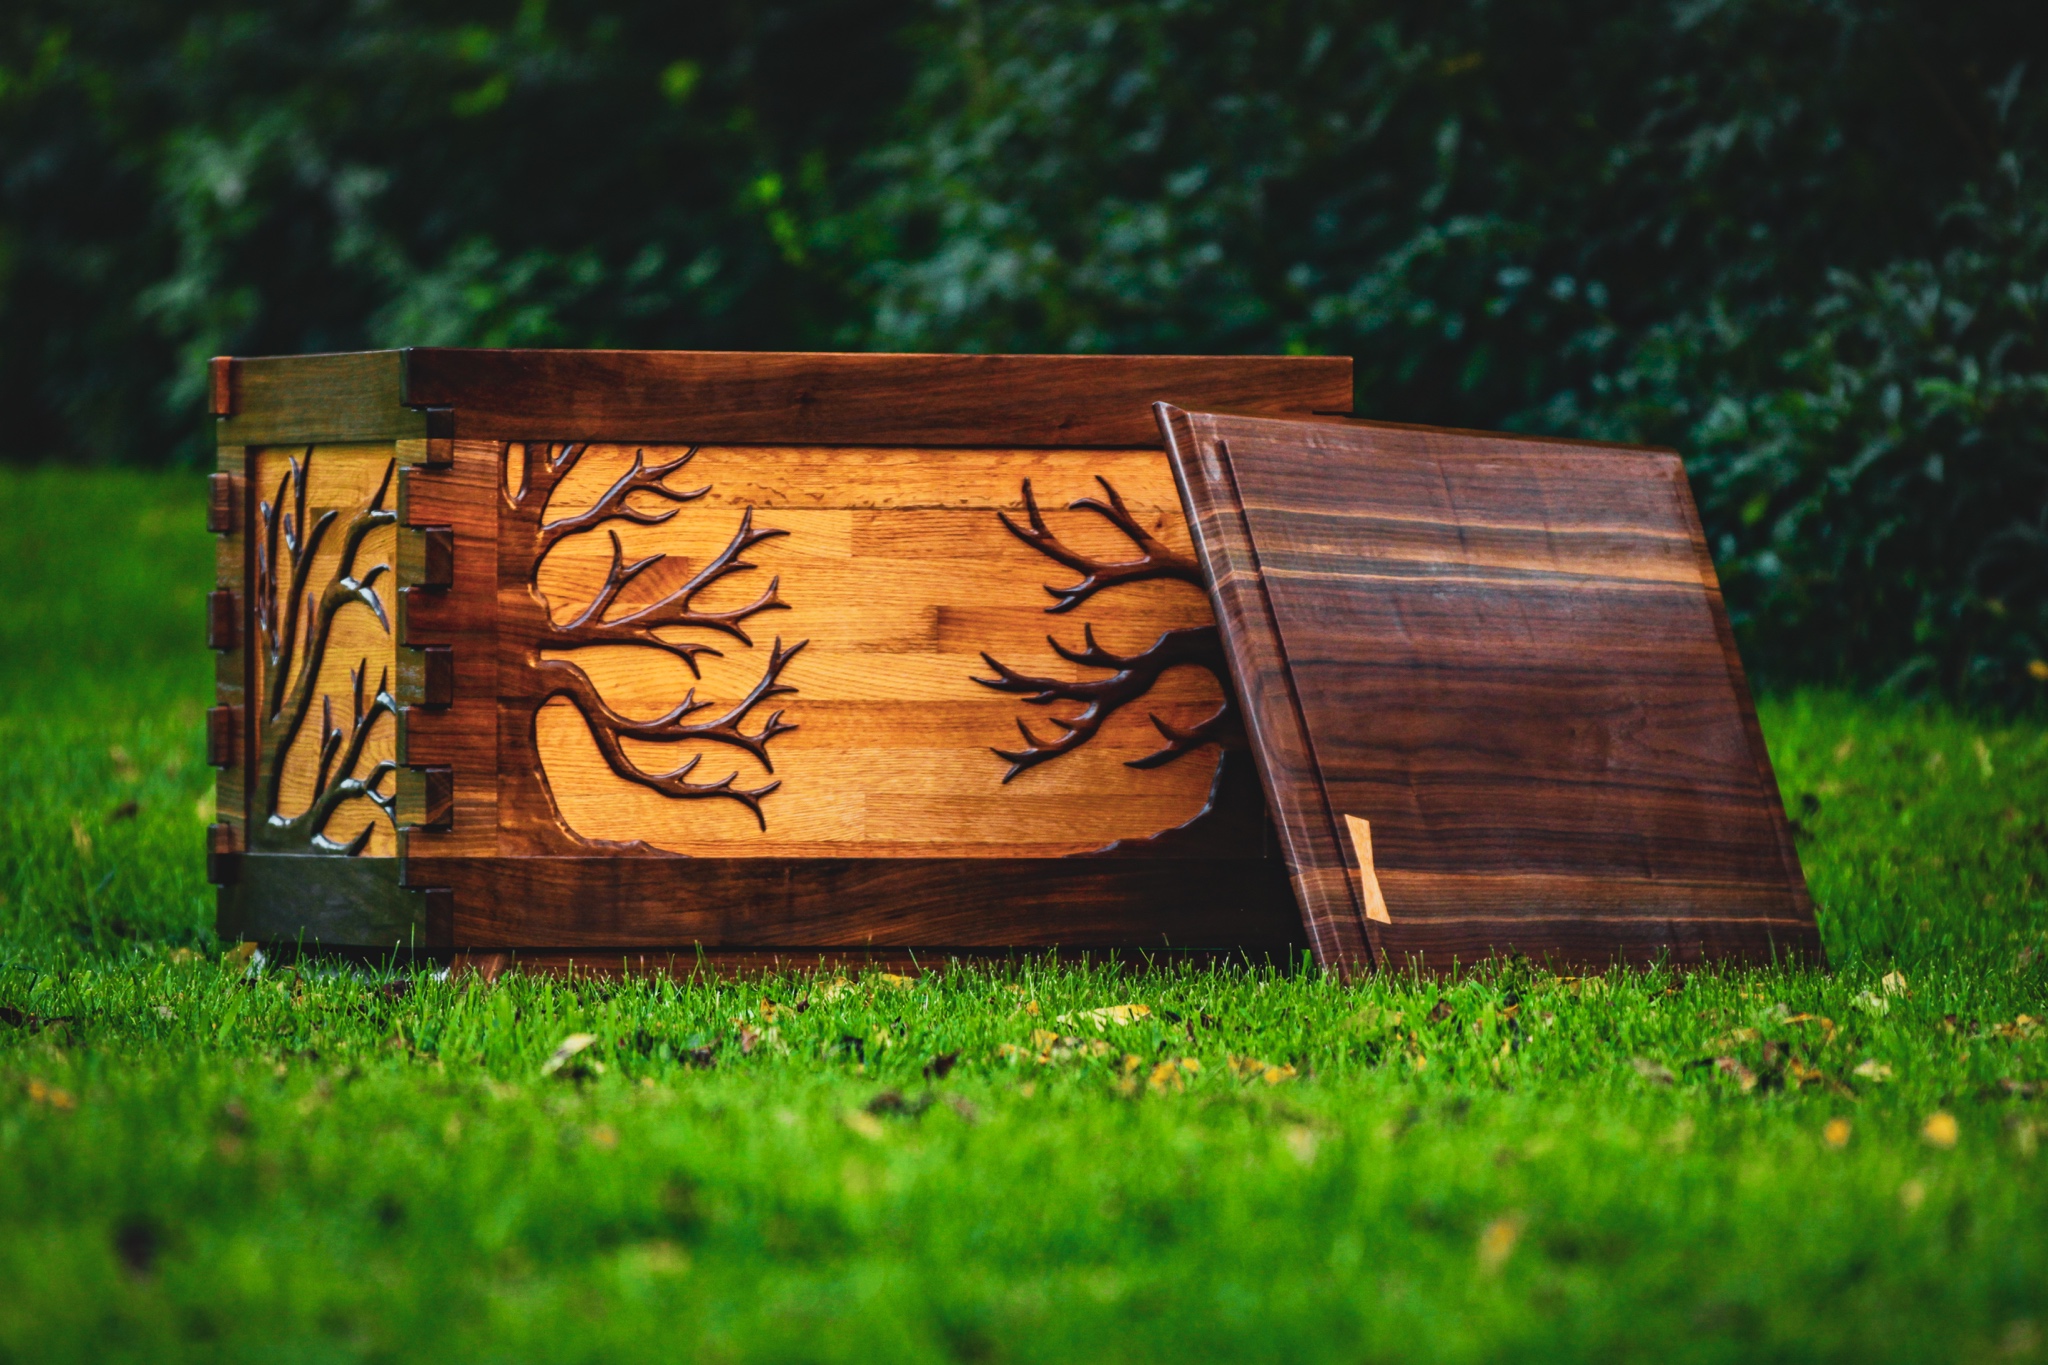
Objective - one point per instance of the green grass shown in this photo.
(209, 1159)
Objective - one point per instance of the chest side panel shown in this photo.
(822, 652)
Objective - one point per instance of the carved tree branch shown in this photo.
(678, 609)
(1131, 676)
(335, 782)
(290, 682)
(614, 503)
(1154, 559)
(609, 728)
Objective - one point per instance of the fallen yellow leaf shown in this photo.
(1940, 1130)
(1745, 1079)
(1108, 1014)
(1835, 1133)
(901, 983)
(1497, 1242)
(1252, 1068)
(566, 1049)
(54, 1096)
(655, 1258)
(863, 1123)
(1894, 983)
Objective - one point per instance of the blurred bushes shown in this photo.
(1799, 239)
(179, 180)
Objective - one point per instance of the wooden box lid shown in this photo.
(1493, 694)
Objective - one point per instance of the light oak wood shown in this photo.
(898, 572)
(340, 478)
(230, 692)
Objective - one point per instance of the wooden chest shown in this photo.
(611, 653)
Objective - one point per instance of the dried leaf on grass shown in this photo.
(566, 1050)
(1108, 1014)
(1835, 1133)
(1940, 1130)
(1497, 1242)
(34, 1023)
(1654, 1072)
(1253, 1069)
(1048, 1047)
(1167, 1075)
(55, 1096)
(1871, 1069)
(1742, 1075)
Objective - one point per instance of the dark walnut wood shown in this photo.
(885, 903)
(705, 396)
(435, 395)
(1509, 658)
(224, 497)
(229, 734)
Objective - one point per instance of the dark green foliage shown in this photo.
(1885, 512)
(186, 180)
(1712, 226)
(1801, 240)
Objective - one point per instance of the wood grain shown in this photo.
(316, 399)
(1511, 658)
(229, 517)
(459, 498)
(340, 478)
(838, 399)
(740, 964)
(859, 903)
(898, 572)
(1333, 916)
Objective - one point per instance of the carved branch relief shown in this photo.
(1131, 676)
(640, 704)
(602, 621)
(298, 618)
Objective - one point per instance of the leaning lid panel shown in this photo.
(1494, 697)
